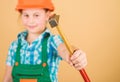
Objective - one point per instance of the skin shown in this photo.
(35, 21)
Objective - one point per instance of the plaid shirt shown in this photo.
(30, 54)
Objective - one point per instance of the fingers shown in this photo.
(81, 65)
(76, 54)
(78, 59)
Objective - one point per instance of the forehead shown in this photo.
(33, 10)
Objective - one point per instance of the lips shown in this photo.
(32, 27)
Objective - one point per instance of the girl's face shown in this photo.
(35, 20)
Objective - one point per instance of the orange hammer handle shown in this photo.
(84, 75)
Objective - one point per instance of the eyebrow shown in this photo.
(33, 13)
(36, 13)
(24, 13)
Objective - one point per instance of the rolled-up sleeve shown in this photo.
(56, 41)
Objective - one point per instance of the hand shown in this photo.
(78, 59)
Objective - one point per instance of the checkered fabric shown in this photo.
(31, 53)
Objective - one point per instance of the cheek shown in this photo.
(41, 21)
(24, 21)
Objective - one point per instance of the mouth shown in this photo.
(32, 27)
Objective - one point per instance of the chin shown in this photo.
(35, 32)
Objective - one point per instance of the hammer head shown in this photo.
(53, 21)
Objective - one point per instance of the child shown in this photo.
(35, 55)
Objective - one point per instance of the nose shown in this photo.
(31, 21)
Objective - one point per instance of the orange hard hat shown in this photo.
(24, 4)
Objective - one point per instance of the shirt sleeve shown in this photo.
(56, 41)
(11, 54)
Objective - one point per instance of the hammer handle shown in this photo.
(82, 71)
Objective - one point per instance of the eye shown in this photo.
(26, 15)
(36, 15)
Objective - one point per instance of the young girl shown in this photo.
(35, 55)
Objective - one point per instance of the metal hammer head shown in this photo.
(53, 21)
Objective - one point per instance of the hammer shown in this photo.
(54, 23)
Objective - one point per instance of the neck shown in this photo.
(31, 37)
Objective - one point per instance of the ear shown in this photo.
(48, 15)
